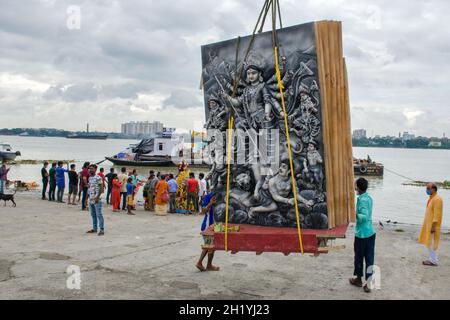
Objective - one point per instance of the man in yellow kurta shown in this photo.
(431, 228)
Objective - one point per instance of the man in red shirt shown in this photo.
(84, 183)
(192, 192)
(101, 174)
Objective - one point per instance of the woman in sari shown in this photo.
(115, 194)
(162, 196)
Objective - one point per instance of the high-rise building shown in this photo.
(359, 134)
(141, 128)
(407, 136)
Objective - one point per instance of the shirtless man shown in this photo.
(242, 193)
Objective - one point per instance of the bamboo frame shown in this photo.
(335, 123)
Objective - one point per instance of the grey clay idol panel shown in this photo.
(258, 196)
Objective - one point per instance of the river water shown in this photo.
(392, 200)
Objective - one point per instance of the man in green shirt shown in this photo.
(364, 244)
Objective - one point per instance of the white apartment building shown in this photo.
(407, 136)
(359, 134)
(142, 128)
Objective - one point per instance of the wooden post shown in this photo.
(335, 123)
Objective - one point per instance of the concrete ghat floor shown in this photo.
(152, 257)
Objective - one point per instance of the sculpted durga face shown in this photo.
(253, 75)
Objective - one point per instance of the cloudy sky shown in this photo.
(140, 60)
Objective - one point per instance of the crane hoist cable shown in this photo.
(274, 5)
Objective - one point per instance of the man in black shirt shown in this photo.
(44, 174)
(73, 184)
(52, 182)
(109, 178)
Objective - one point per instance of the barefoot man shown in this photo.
(431, 228)
(208, 210)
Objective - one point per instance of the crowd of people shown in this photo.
(159, 190)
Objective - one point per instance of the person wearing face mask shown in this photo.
(431, 228)
(364, 244)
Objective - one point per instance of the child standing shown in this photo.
(130, 196)
(115, 193)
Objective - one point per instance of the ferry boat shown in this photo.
(88, 135)
(154, 152)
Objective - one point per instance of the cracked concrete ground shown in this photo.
(152, 257)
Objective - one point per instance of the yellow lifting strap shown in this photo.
(288, 140)
(227, 196)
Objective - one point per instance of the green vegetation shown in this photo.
(392, 142)
(35, 132)
(50, 132)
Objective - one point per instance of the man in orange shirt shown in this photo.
(431, 228)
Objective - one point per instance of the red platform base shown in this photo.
(271, 239)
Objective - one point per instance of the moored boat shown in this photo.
(140, 163)
(88, 135)
(150, 163)
(153, 152)
(7, 153)
(367, 167)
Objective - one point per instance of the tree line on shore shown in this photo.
(414, 143)
(51, 132)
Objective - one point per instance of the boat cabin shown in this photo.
(7, 152)
(5, 146)
(162, 146)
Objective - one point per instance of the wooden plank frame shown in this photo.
(335, 123)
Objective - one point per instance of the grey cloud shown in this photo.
(128, 90)
(73, 93)
(128, 48)
(182, 99)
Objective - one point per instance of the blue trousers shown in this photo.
(60, 193)
(364, 251)
(97, 215)
(83, 198)
(108, 195)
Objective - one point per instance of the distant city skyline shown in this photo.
(150, 127)
(400, 133)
